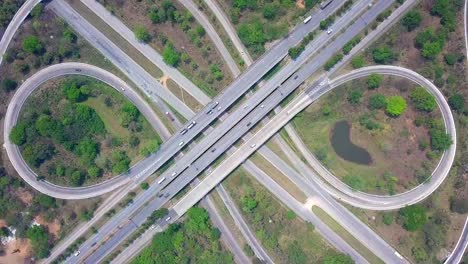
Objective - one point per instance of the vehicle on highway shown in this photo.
(307, 19)
(161, 180)
(78, 70)
(170, 116)
(209, 112)
(253, 145)
(215, 104)
(166, 195)
(183, 131)
(249, 123)
(262, 106)
(76, 253)
(168, 218)
(325, 3)
(181, 143)
(152, 227)
(123, 89)
(329, 31)
(191, 125)
(295, 77)
(174, 174)
(213, 150)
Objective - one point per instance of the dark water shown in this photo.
(343, 146)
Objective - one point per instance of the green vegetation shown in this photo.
(377, 101)
(414, 217)
(383, 55)
(163, 14)
(338, 259)
(446, 10)
(142, 34)
(423, 100)
(39, 241)
(9, 85)
(170, 55)
(411, 20)
(354, 96)
(75, 131)
(32, 45)
(374, 80)
(144, 186)
(395, 105)
(457, 102)
(357, 61)
(8, 9)
(332, 61)
(350, 45)
(194, 241)
(294, 52)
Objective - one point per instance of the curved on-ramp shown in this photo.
(34, 82)
(346, 194)
(14, 24)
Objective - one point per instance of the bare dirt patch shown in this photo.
(300, 4)
(17, 251)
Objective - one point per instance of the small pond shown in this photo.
(341, 142)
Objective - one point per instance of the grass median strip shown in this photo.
(344, 234)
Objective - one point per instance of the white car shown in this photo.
(253, 145)
(329, 31)
(76, 253)
(181, 143)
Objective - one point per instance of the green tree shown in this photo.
(396, 105)
(87, 149)
(414, 217)
(77, 178)
(377, 101)
(457, 102)
(94, 171)
(39, 241)
(422, 99)
(412, 20)
(355, 182)
(144, 186)
(36, 12)
(170, 55)
(450, 59)
(383, 55)
(296, 254)
(374, 80)
(354, 96)
(18, 134)
(9, 85)
(387, 218)
(142, 34)
(32, 45)
(45, 200)
(270, 11)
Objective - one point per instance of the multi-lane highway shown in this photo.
(257, 104)
(59, 70)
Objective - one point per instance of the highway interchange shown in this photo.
(253, 77)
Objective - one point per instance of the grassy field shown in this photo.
(394, 146)
(286, 238)
(343, 233)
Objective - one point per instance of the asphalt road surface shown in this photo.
(14, 24)
(33, 83)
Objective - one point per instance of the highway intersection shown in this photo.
(221, 138)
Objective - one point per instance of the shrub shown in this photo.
(459, 205)
(18, 134)
(373, 81)
(9, 85)
(456, 101)
(383, 55)
(414, 217)
(423, 100)
(411, 20)
(440, 140)
(377, 101)
(357, 62)
(170, 55)
(142, 34)
(450, 59)
(396, 105)
(39, 241)
(354, 96)
(31, 44)
(144, 186)
(355, 182)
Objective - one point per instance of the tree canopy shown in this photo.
(396, 105)
(412, 20)
(32, 44)
(374, 80)
(422, 99)
(39, 241)
(142, 34)
(414, 217)
(377, 101)
(383, 55)
(170, 55)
